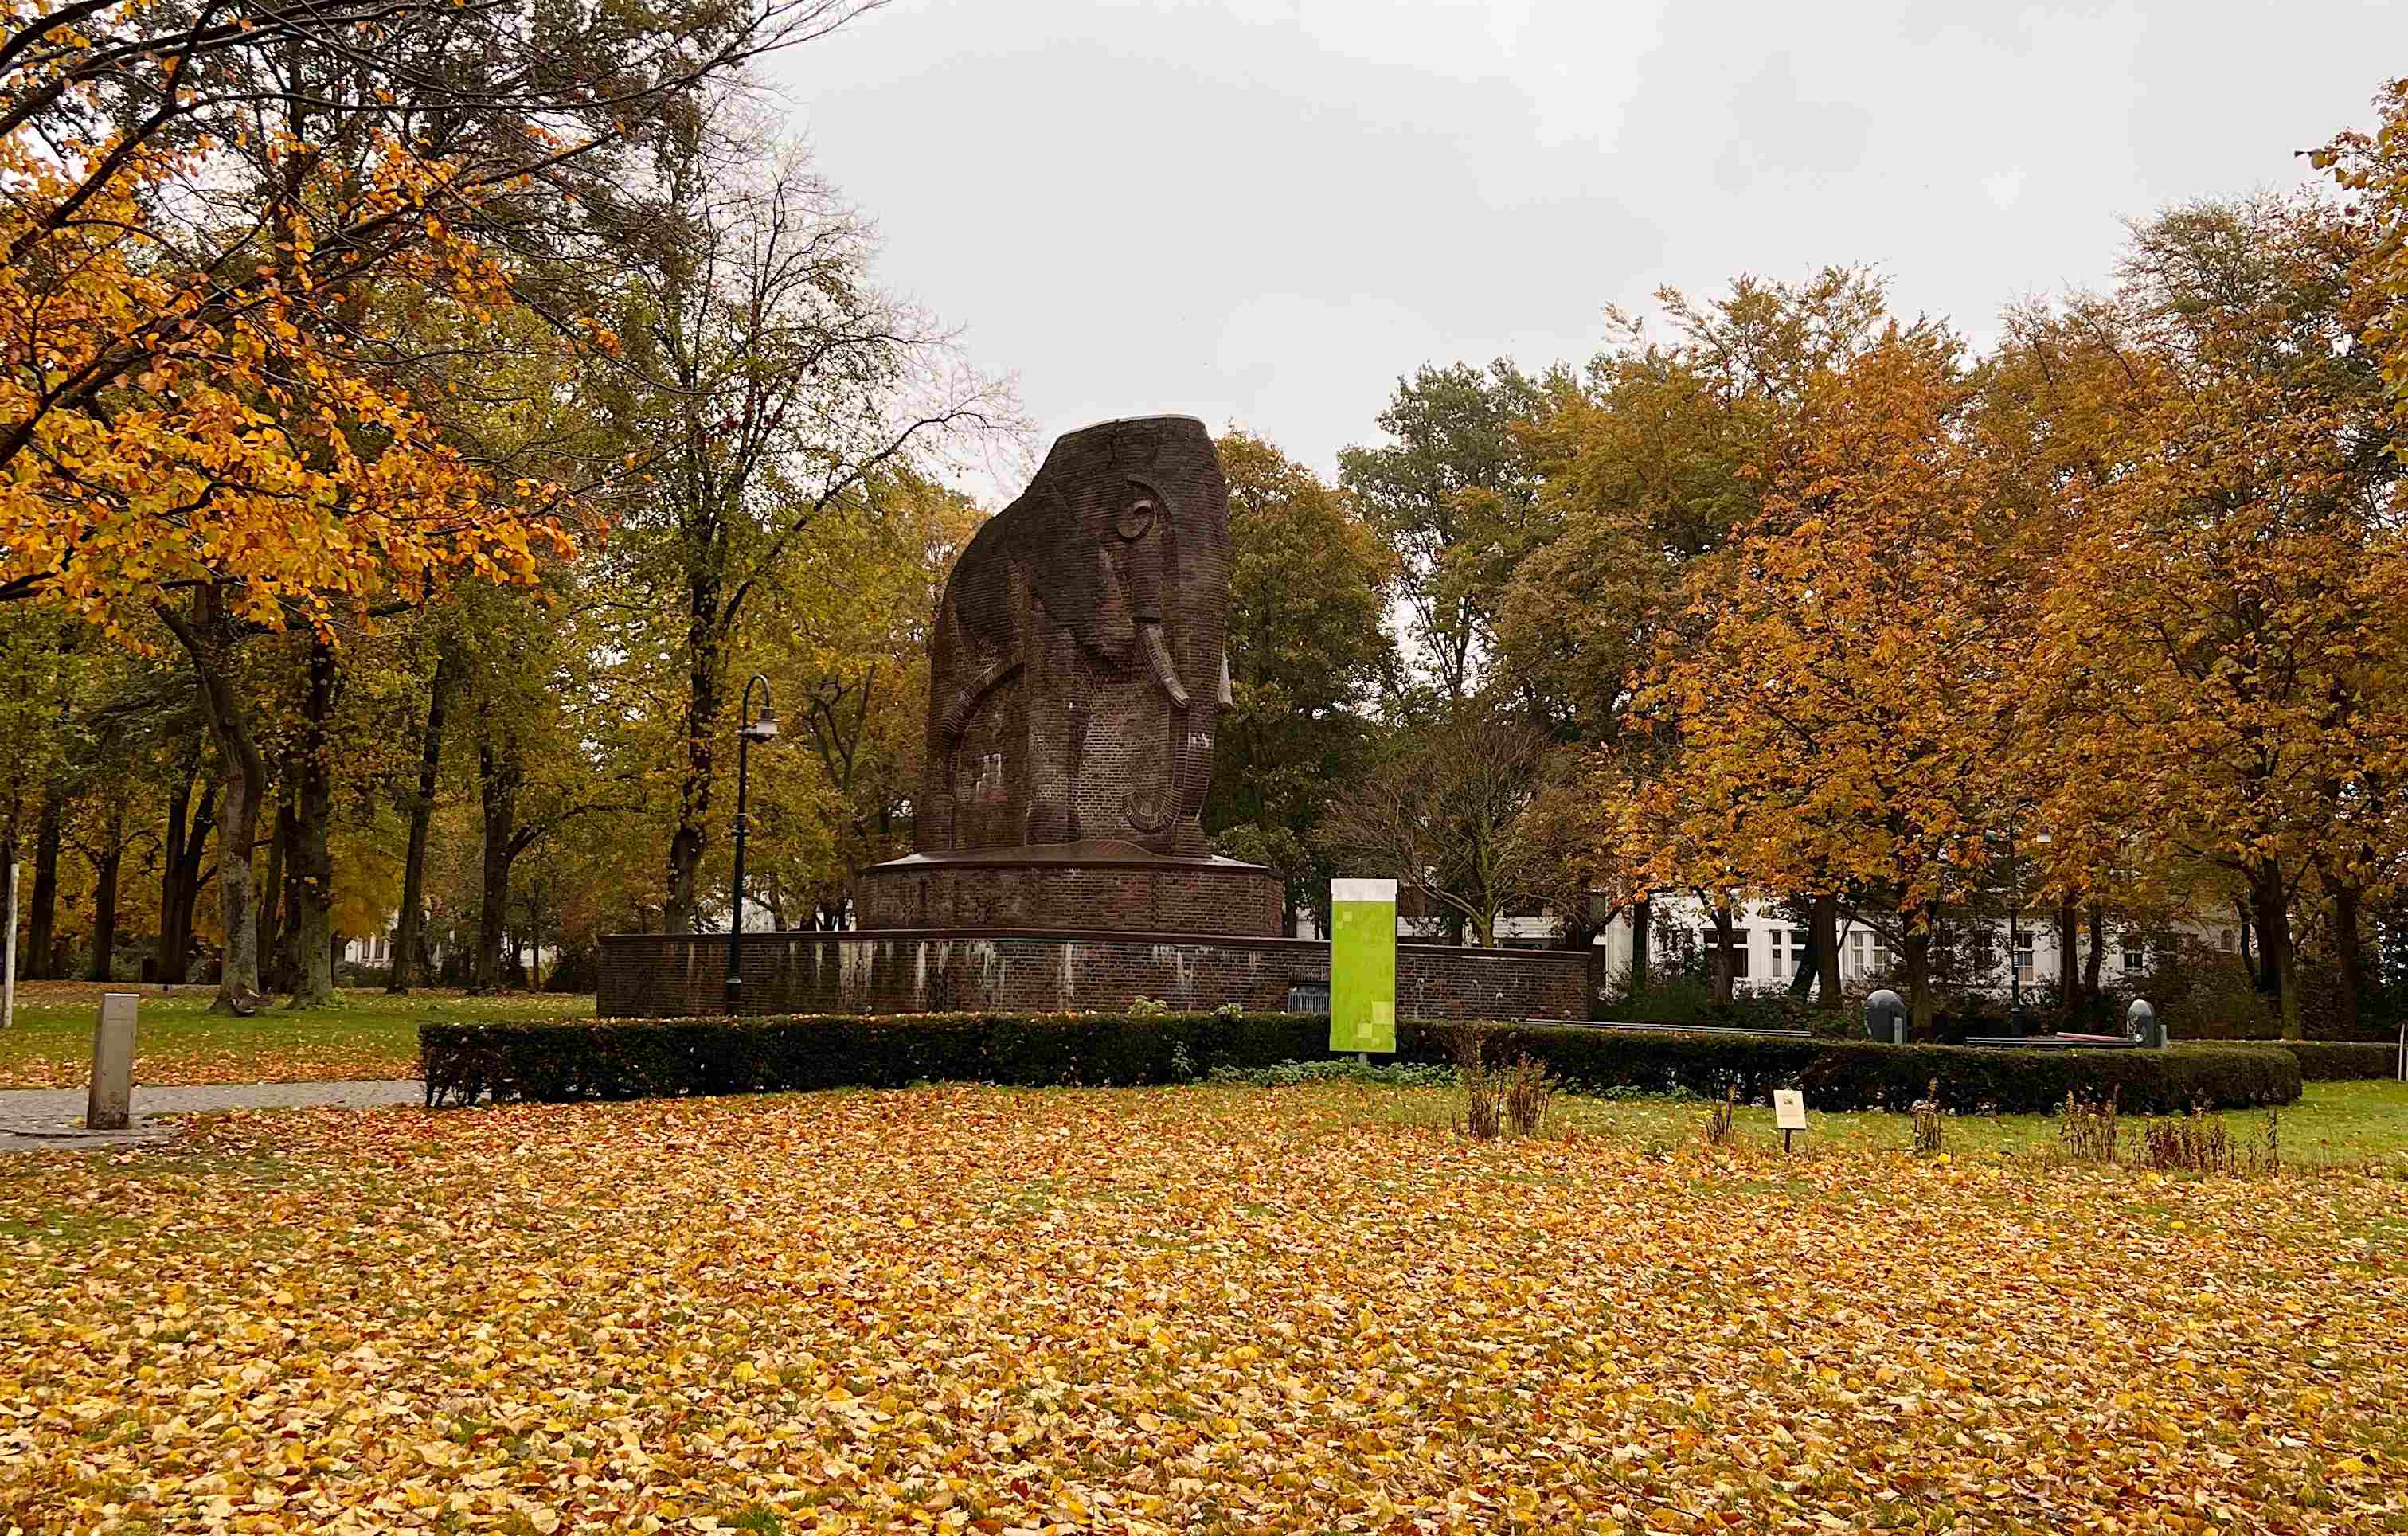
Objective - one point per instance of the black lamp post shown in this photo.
(762, 729)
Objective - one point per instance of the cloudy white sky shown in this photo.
(1263, 212)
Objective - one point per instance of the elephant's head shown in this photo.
(1136, 561)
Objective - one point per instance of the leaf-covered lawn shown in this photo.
(363, 1036)
(1207, 1309)
(2352, 1125)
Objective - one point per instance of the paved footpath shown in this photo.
(35, 1119)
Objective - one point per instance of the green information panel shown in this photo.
(1363, 965)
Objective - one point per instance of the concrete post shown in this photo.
(112, 1101)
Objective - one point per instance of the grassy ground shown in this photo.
(2344, 1124)
(363, 1035)
(1214, 1309)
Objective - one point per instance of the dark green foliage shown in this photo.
(1861, 1075)
(578, 1059)
(2336, 1060)
(665, 1057)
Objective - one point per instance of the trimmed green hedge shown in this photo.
(2336, 1060)
(1862, 1075)
(581, 1060)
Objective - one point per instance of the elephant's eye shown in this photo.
(1138, 518)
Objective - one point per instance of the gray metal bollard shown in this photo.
(1885, 1017)
(2143, 1027)
(110, 1105)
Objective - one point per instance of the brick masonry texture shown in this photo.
(1078, 661)
(685, 975)
(1192, 897)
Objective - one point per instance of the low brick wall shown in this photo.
(683, 975)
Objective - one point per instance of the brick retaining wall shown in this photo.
(1159, 896)
(683, 975)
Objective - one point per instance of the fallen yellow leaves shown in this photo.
(1210, 1308)
(179, 1064)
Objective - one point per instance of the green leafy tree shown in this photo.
(1308, 655)
(1452, 492)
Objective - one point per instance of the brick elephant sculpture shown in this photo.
(1079, 662)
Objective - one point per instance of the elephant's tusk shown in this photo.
(1165, 673)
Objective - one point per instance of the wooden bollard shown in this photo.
(110, 1105)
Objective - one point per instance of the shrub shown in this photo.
(2199, 1143)
(1860, 1074)
(1927, 1122)
(2335, 1060)
(2087, 1132)
(581, 1060)
(1720, 1119)
(559, 1061)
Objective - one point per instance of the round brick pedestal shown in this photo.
(1107, 888)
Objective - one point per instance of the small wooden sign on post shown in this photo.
(1789, 1112)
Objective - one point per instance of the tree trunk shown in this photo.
(1643, 923)
(206, 637)
(105, 868)
(2267, 975)
(2069, 967)
(1721, 967)
(2098, 955)
(497, 783)
(277, 903)
(42, 919)
(1914, 946)
(2349, 955)
(312, 854)
(408, 934)
(703, 703)
(179, 876)
(1823, 937)
(2275, 942)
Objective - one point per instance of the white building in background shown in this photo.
(376, 950)
(1772, 947)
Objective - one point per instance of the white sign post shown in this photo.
(1789, 1112)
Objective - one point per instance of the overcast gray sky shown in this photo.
(1263, 212)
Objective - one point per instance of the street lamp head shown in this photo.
(765, 729)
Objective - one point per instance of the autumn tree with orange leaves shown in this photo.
(2235, 594)
(1842, 708)
(219, 221)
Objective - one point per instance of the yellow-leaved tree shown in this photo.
(212, 215)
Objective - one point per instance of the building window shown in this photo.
(1739, 950)
(1859, 954)
(2024, 962)
(2136, 955)
(1882, 961)
(1786, 963)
